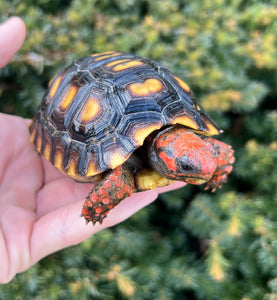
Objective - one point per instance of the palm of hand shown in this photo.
(32, 194)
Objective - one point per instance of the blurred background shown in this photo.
(189, 244)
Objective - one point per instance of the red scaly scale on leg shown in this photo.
(116, 186)
(224, 156)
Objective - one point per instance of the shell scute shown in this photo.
(98, 110)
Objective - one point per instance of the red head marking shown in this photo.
(181, 154)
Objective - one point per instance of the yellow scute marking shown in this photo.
(32, 136)
(127, 65)
(106, 56)
(116, 159)
(103, 53)
(55, 86)
(58, 159)
(47, 151)
(38, 143)
(149, 86)
(183, 85)
(90, 110)
(142, 133)
(186, 121)
(69, 96)
(71, 171)
(91, 170)
(52, 79)
(116, 62)
(211, 129)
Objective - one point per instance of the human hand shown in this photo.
(39, 206)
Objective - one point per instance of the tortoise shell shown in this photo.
(99, 110)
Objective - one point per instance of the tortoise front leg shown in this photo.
(116, 186)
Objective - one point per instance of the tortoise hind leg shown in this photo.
(116, 186)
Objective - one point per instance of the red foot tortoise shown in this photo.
(129, 124)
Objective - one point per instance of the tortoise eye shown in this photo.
(186, 167)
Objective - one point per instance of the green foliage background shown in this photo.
(190, 244)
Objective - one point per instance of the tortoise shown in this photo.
(127, 124)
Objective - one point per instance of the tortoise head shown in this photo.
(179, 154)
